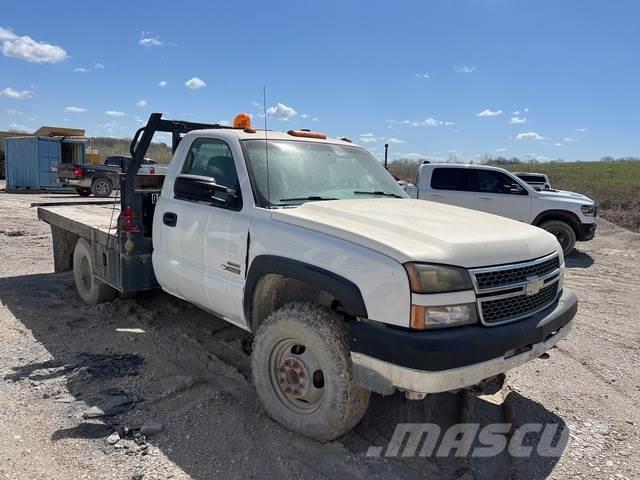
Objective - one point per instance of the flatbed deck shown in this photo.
(95, 222)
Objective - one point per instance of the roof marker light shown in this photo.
(242, 120)
(307, 134)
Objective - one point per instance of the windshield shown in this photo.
(311, 171)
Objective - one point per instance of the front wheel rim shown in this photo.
(296, 376)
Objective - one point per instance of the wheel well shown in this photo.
(64, 243)
(274, 281)
(568, 217)
(274, 291)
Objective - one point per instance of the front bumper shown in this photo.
(586, 231)
(386, 358)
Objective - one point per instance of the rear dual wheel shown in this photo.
(89, 287)
(301, 368)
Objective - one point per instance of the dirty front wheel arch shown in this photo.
(293, 277)
(312, 332)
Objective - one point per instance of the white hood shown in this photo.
(419, 230)
(565, 195)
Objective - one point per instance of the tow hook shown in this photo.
(409, 395)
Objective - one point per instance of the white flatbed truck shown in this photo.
(348, 285)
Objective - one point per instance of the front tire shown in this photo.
(101, 187)
(563, 232)
(91, 290)
(301, 369)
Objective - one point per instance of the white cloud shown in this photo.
(399, 122)
(141, 103)
(81, 70)
(529, 136)
(465, 69)
(256, 104)
(15, 94)
(557, 144)
(115, 113)
(526, 110)
(516, 120)
(16, 127)
(162, 83)
(517, 112)
(11, 111)
(568, 139)
(98, 66)
(583, 129)
(315, 119)
(195, 83)
(500, 150)
(487, 112)
(6, 34)
(304, 115)
(225, 123)
(370, 138)
(423, 75)
(30, 50)
(72, 109)
(148, 40)
(395, 140)
(281, 112)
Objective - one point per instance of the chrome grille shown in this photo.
(499, 278)
(507, 293)
(505, 309)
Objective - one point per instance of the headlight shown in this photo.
(589, 210)
(425, 278)
(423, 317)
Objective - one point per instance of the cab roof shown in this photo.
(247, 134)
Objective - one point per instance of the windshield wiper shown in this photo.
(378, 192)
(310, 197)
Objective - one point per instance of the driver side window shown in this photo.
(489, 181)
(209, 157)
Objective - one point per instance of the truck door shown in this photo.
(451, 185)
(501, 194)
(204, 244)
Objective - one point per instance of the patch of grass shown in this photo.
(615, 186)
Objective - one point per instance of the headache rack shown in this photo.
(126, 261)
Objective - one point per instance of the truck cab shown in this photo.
(347, 285)
(569, 216)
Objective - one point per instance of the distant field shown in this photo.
(614, 185)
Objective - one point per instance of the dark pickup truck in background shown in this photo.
(101, 180)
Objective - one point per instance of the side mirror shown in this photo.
(516, 189)
(197, 188)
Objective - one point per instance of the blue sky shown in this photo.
(543, 79)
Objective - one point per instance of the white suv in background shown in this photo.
(569, 216)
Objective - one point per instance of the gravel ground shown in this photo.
(158, 359)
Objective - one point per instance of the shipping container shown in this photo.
(31, 163)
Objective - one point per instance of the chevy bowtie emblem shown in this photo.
(534, 286)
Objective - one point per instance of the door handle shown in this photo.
(170, 219)
(435, 196)
(486, 199)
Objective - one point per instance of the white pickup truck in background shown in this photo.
(569, 216)
(347, 285)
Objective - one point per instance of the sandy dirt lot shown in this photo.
(157, 358)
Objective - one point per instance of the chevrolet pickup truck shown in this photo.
(347, 285)
(569, 216)
(101, 180)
